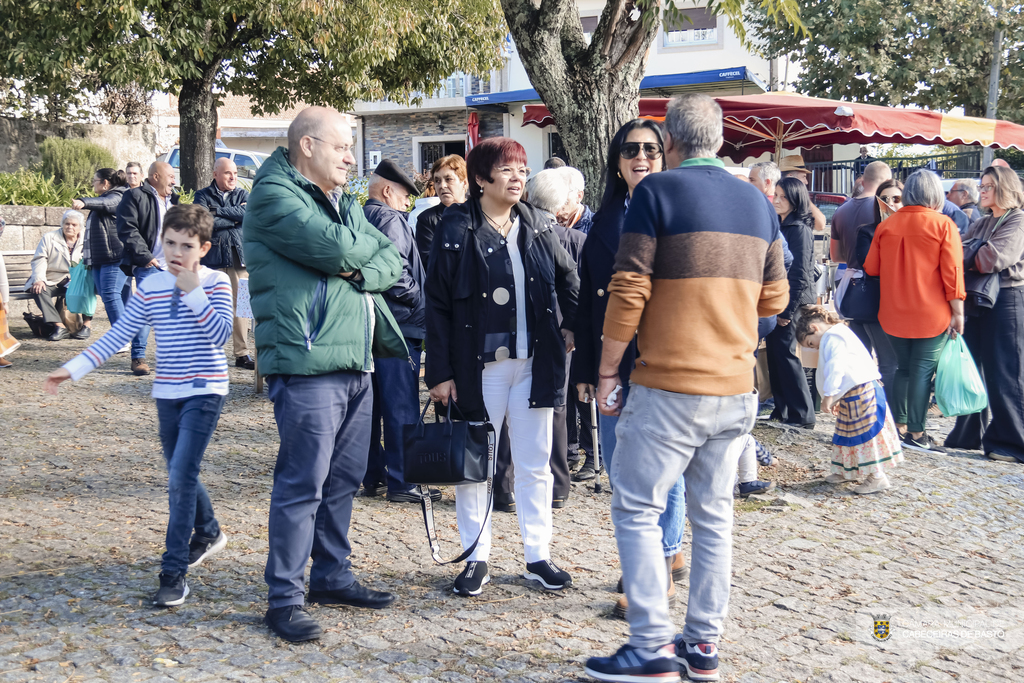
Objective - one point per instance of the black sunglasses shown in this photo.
(629, 150)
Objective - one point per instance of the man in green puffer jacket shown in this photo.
(316, 267)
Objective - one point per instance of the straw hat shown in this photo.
(794, 162)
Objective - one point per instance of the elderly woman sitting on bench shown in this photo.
(51, 271)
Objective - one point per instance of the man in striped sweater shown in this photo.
(190, 307)
(700, 260)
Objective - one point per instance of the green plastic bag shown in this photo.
(81, 296)
(958, 386)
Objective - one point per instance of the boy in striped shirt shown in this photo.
(190, 309)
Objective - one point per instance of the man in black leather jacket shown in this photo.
(226, 201)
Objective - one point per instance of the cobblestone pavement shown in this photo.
(83, 509)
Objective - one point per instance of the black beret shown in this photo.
(388, 170)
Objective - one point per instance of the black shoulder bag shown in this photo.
(449, 453)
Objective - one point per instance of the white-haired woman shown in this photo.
(56, 253)
(918, 257)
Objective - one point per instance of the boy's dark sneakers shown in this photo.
(550, 576)
(201, 548)
(292, 623)
(472, 579)
(749, 488)
(700, 659)
(636, 664)
(924, 443)
(173, 590)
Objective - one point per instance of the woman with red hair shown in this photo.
(494, 345)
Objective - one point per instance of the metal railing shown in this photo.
(838, 177)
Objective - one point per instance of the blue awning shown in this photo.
(664, 86)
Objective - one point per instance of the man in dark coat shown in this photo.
(226, 201)
(396, 382)
(140, 219)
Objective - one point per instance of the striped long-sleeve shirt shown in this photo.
(191, 330)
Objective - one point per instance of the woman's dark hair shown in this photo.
(809, 314)
(486, 155)
(615, 189)
(796, 195)
(891, 182)
(115, 176)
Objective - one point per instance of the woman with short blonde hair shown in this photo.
(994, 334)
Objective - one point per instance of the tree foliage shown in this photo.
(280, 53)
(591, 89)
(930, 53)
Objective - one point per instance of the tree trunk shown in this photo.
(197, 110)
(590, 90)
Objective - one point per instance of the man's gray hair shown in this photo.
(923, 188)
(71, 213)
(768, 170)
(970, 186)
(549, 189)
(576, 181)
(695, 123)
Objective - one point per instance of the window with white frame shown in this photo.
(589, 26)
(701, 29)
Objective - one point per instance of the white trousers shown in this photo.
(506, 390)
(748, 459)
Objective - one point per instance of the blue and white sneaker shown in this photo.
(636, 664)
(700, 659)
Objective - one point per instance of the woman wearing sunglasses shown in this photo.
(635, 152)
(994, 334)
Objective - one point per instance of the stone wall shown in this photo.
(27, 224)
(20, 138)
(392, 134)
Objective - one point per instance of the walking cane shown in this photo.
(597, 445)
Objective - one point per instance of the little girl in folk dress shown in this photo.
(866, 441)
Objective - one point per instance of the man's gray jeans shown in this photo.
(662, 435)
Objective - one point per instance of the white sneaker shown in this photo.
(873, 484)
(126, 348)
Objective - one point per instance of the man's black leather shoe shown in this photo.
(353, 596)
(292, 623)
(504, 503)
(245, 362)
(412, 496)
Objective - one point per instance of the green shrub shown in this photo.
(32, 188)
(73, 161)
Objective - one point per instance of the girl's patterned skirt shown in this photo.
(866, 441)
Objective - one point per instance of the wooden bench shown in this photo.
(19, 269)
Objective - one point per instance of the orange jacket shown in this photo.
(919, 258)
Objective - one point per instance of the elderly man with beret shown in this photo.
(396, 382)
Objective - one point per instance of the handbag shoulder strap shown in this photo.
(428, 508)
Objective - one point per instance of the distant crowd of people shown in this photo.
(526, 308)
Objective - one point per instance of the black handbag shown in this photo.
(861, 300)
(452, 452)
(982, 288)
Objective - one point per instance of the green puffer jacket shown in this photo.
(310, 321)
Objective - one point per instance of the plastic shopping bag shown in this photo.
(81, 296)
(958, 386)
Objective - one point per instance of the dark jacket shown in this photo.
(959, 217)
(597, 264)
(138, 225)
(797, 232)
(228, 211)
(426, 226)
(572, 241)
(973, 213)
(457, 282)
(585, 222)
(405, 299)
(105, 246)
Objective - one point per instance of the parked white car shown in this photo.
(247, 162)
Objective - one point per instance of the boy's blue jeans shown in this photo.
(186, 425)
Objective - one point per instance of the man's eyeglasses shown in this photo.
(340, 149)
(629, 150)
(987, 188)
